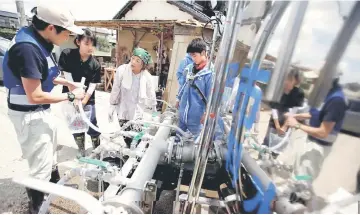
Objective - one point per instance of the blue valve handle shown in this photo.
(248, 91)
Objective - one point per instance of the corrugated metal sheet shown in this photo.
(8, 14)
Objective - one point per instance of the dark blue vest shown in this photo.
(17, 93)
(315, 120)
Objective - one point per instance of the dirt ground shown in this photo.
(339, 169)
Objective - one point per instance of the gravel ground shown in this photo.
(339, 169)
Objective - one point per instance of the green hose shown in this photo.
(99, 163)
(260, 150)
(303, 177)
(139, 136)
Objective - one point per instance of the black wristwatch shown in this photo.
(71, 96)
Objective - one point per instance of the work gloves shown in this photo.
(112, 110)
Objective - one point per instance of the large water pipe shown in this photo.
(227, 47)
(132, 194)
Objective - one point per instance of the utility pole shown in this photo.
(21, 11)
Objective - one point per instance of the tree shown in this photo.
(7, 33)
(103, 44)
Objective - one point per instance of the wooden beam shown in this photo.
(138, 41)
(114, 24)
(192, 31)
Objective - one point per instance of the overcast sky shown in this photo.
(321, 24)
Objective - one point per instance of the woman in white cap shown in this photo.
(132, 89)
(30, 73)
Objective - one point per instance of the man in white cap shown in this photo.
(30, 73)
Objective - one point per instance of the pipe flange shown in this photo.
(170, 149)
(120, 206)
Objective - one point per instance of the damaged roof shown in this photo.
(182, 5)
(137, 24)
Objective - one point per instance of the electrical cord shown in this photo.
(219, 23)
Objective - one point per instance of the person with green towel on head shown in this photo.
(132, 90)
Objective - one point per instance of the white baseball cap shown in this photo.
(57, 14)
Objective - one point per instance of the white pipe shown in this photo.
(68, 175)
(84, 199)
(283, 141)
(122, 133)
(83, 115)
(161, 124)
(45, 205)
(107, 146)
(287, 135)
(131, 134)
(146, 168)
(118, 179)
(112, 190)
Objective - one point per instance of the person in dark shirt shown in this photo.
(292, 97)
(30, 73)
(164, 75)
(80, 63)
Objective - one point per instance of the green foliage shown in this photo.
(7, 33)
(103, 44)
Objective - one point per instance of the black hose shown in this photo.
(219, 23)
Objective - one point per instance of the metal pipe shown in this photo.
(141, 122)
(116, 180)
(84, 199)
(275, 88)
(328, 71)
(187, 154)
(258, 55)
(267, 29)
(225, 55)
(21, 11)
(68, 175)
(179, 182)
(133, 192)
(120, 177)
(253, 168)
(258, 51)
(125, 170)
(215, 34)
